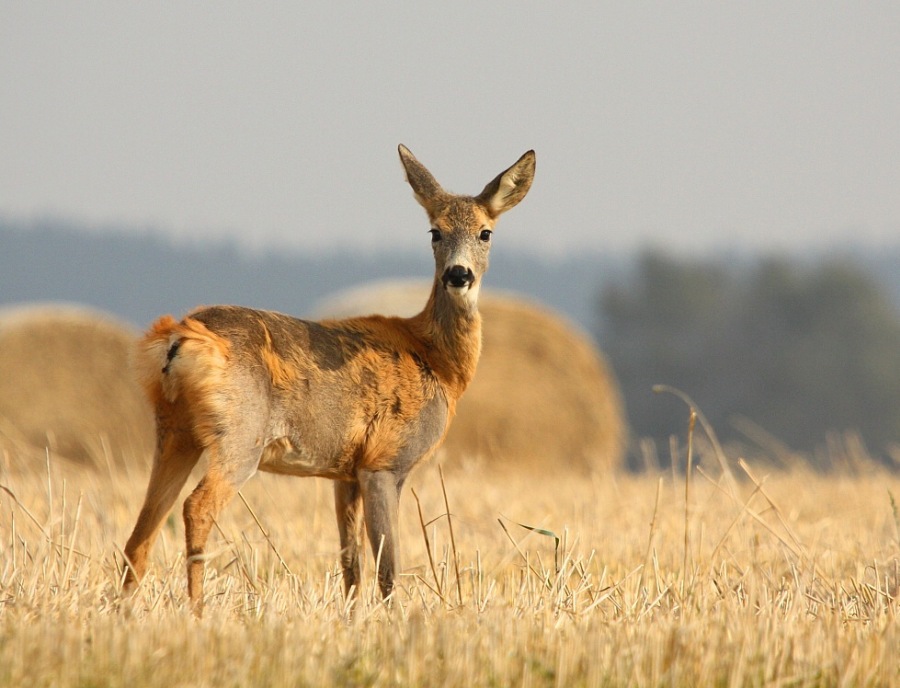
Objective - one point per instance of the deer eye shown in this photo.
(485, 235)
(435, 235)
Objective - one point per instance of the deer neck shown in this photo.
(451, 328)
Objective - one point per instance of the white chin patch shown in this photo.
(467, 293)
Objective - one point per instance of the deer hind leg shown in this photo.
(229, 468)
(348, 507)
(381, 496)
(176, 456)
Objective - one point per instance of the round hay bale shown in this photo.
(66, 385)
(543, 396)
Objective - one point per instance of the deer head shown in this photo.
(461, 226)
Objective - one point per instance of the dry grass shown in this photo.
(792, 581)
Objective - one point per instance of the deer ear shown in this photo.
(509, 187)
(424, 185)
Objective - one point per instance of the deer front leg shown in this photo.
(381, 493)
(348, 508)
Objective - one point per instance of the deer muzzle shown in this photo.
(458, 277)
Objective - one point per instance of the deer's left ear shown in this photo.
(509, 187)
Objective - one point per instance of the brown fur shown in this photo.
(360, 401)
(194, 372)
(282, 373)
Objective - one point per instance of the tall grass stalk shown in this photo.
(687, 500)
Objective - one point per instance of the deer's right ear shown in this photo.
(424, 185)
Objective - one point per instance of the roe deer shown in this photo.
(360, 401)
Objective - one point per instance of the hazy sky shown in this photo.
(697, 126)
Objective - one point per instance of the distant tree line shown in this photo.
(799, 350)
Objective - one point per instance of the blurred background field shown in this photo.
(786, 354)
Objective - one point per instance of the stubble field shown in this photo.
(780, 577)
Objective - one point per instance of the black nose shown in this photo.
(458, 276)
